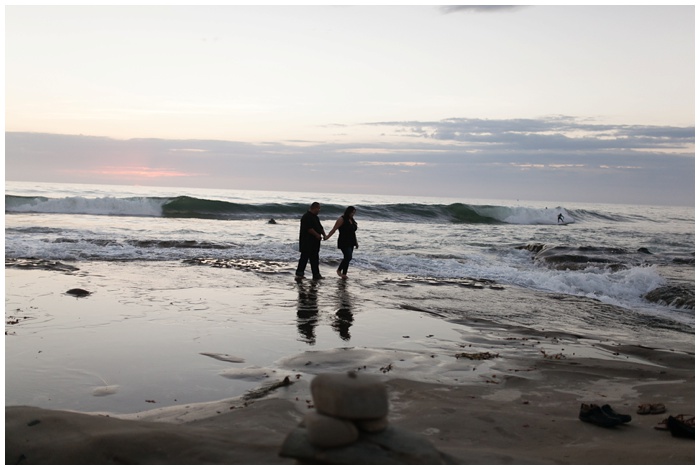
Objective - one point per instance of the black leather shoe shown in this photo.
(607, 409)
(681, 428)
(595, 415)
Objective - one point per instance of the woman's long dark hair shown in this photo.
(348, 212)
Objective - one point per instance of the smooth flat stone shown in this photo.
(350, 396)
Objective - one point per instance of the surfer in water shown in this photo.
(560, 219)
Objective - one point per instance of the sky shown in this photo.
(547, 103)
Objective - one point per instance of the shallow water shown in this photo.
(143, 332)
(149, 334)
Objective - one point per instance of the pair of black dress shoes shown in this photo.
(603, 416)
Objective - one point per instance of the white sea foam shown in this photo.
(138, 206)
(622, 288)
(525, 215)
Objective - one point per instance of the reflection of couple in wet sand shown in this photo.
(308, 312)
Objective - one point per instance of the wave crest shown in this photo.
(193, 207)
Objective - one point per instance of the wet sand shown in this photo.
(168, 363)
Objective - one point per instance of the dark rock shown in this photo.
(674, 296)
(533, 247)
(261, 266)
(78, 292)
(177, 244)
(39, 264)
(578, 258)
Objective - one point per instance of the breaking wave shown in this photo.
(192, 207)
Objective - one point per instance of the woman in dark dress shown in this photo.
(347, 240)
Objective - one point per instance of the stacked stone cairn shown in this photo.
(349, 426)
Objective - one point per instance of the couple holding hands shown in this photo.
(311, 233)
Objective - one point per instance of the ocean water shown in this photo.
(639, 258)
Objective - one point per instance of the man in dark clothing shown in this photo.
(310, 235)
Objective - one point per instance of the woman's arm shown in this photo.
(337, 225)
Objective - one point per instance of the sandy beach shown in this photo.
(168, 363)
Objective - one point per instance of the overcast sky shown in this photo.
(553, 103)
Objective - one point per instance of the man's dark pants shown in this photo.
(309, 257)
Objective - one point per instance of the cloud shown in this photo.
(408, 164)
(558, 158)
(137, 172)
(188, 150)
(447, 9)
(547, 134)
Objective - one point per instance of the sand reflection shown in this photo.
(308, 311)
(343, 315)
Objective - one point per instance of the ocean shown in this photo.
(193, 297)
(640, 258)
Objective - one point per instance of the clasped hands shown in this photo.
(326, 237)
